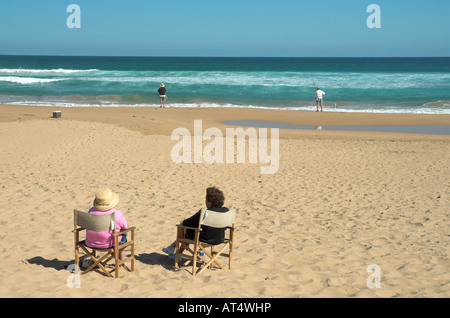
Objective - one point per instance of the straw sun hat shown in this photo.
(162, 85)
(105, 199)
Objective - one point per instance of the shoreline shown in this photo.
(162, 121)
(428, 108)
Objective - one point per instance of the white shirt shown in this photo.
(320, 93)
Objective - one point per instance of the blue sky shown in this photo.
(226, 28)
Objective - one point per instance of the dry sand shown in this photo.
(339, 202)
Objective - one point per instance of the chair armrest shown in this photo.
(79, 229)
(124, 231)
(189, 227)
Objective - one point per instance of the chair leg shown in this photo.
(177, 250)
(116, 257)
(76, 237)
(194, 261)
(230, 260)
(132, 250)
(230, 244)
(230, 255)
(212, 253)
(77, 257)
(132, 257)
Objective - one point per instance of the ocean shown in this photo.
(377, 85)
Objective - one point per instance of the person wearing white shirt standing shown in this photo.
(319, 98)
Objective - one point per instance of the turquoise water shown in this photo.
(392, 85)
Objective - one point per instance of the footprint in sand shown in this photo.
(206, 279)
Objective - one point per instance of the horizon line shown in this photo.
(199, 56)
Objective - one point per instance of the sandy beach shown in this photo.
(339, 202)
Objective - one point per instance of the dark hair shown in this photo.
(215, 197)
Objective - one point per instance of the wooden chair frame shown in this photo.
(183, 243)
(109, 253)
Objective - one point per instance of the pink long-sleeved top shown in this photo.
(105, 239)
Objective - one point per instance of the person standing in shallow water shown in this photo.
(162, 95)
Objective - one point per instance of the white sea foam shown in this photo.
(337, 80)
(331, 80)
(28, 80)
(41, 71)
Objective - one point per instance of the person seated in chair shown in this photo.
(214, 202)
(104, 203)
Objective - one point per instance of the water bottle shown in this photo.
(201, 255)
